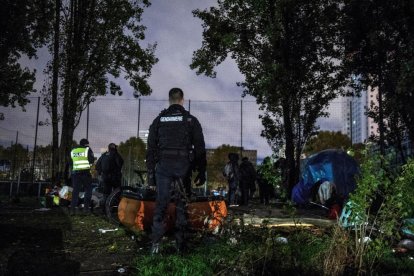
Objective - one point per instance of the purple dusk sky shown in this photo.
(216, 102)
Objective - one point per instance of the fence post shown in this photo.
(15, 155)
(241, 128)
(129, 167)
(35, 141)
(39, 184)
(87, 122)
(11, 188)
(18, 185)
(139, 116)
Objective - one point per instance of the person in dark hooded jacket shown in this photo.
(109, 167)
(247, 180)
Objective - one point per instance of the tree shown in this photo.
(133, 151)
(99, 42)
(288, 52)
(24, 26)
(327, 140)
(217, 161)
(394, 129)
(54, 90)
(378, 38)
(403, 93)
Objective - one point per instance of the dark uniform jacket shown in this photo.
(247, 171)
(110, 164)
(176, 132)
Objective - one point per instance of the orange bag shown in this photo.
(206, 214)
(127, 211)
(138, 214)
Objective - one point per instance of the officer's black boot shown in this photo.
(155, 248)
(73, 211)
(182, 248)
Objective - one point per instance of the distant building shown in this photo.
(372, 98)
(356, 124)
(346, 116)
(143, 134)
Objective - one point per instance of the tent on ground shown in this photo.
(332, 165)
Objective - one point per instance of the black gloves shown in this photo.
(200, 178)
(151, 178)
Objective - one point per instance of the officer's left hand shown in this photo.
(151, 178)
(200, 179)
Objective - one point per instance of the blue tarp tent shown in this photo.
(328, 165)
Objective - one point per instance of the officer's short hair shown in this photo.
(175, 95)
(84, 142)
(112, 146)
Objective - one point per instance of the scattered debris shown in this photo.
(400, 250)
(282, 240)
(42, 209)
(365, 240)
(232, 241)
(103, 231)
(407, 244)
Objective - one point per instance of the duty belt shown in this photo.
(173, 153)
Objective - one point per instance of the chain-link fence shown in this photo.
(108, 119)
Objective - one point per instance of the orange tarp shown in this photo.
(138, 214)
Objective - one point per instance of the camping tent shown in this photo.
(331, 165)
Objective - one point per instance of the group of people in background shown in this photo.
(242, 178)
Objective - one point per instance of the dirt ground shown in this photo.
(36, 241)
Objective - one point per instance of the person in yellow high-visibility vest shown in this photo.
(81, 160)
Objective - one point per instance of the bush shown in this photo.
(382, 198)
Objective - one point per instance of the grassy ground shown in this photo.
(38, 242)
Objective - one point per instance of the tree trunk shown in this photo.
(54, 102)
(71, 97)
(64, 141)
(290, 149)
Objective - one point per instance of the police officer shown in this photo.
(175, 145)
(109, 167)
(81, 160)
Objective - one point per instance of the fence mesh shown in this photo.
(109, 119)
